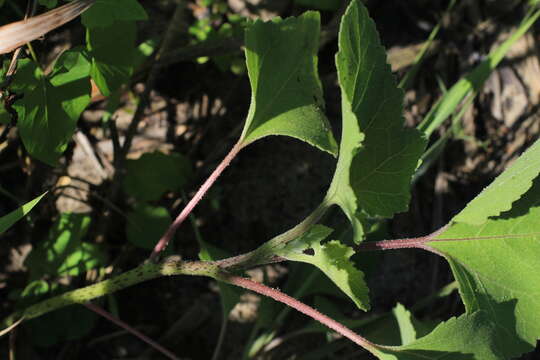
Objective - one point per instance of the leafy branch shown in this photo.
(492, 245)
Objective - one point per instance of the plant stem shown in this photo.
(265, 254)
(144, 272)
(408, 243)
(299, 306)
(420, 242)
(162, 243)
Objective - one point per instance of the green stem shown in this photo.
(170, 266)
(144, 272)
(265, 254)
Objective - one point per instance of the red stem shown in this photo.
(301, 307)
(132, 330)
(420, 242)
(164, 241)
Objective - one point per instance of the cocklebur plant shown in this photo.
(492, 246)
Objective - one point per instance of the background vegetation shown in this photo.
(181, 106)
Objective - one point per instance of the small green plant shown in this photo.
(492, 245)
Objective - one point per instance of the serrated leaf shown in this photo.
(105, 13)
(8, 220)
(377, 155)
(146, 224)
(468, 337)
(63, 252)
(50, 108)
(332, 258)
(150, 176)
(286, 92)
(506, 189)
(114, 55)
(497, 267)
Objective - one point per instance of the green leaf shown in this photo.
(114, 55)
(468, 337)
(406, 328)
(332, 258)
(48, 3)
(496, 265)
(146, 224)
(8, 220)
(51, 106)
(150, 176)
(105, 13)
(286, 92)
(377, 155)
(63, 252)
(73, 65)
(507, 188)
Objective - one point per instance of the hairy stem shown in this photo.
(299, 306)
(144, 272)
(265, 254)
(421, 242)
(162, 243)
(174, 266)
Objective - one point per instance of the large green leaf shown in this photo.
(114, 54)
(332, 258)
(8, 220)
(499, 273)
(506, 189)
(146, 224)
(63, 252)
(286, 92)
(150, 176)
(73, 65)
(469, 337)
(377, 155)
(51, 105)
(105, 13)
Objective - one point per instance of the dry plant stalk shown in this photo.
(21, 32)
